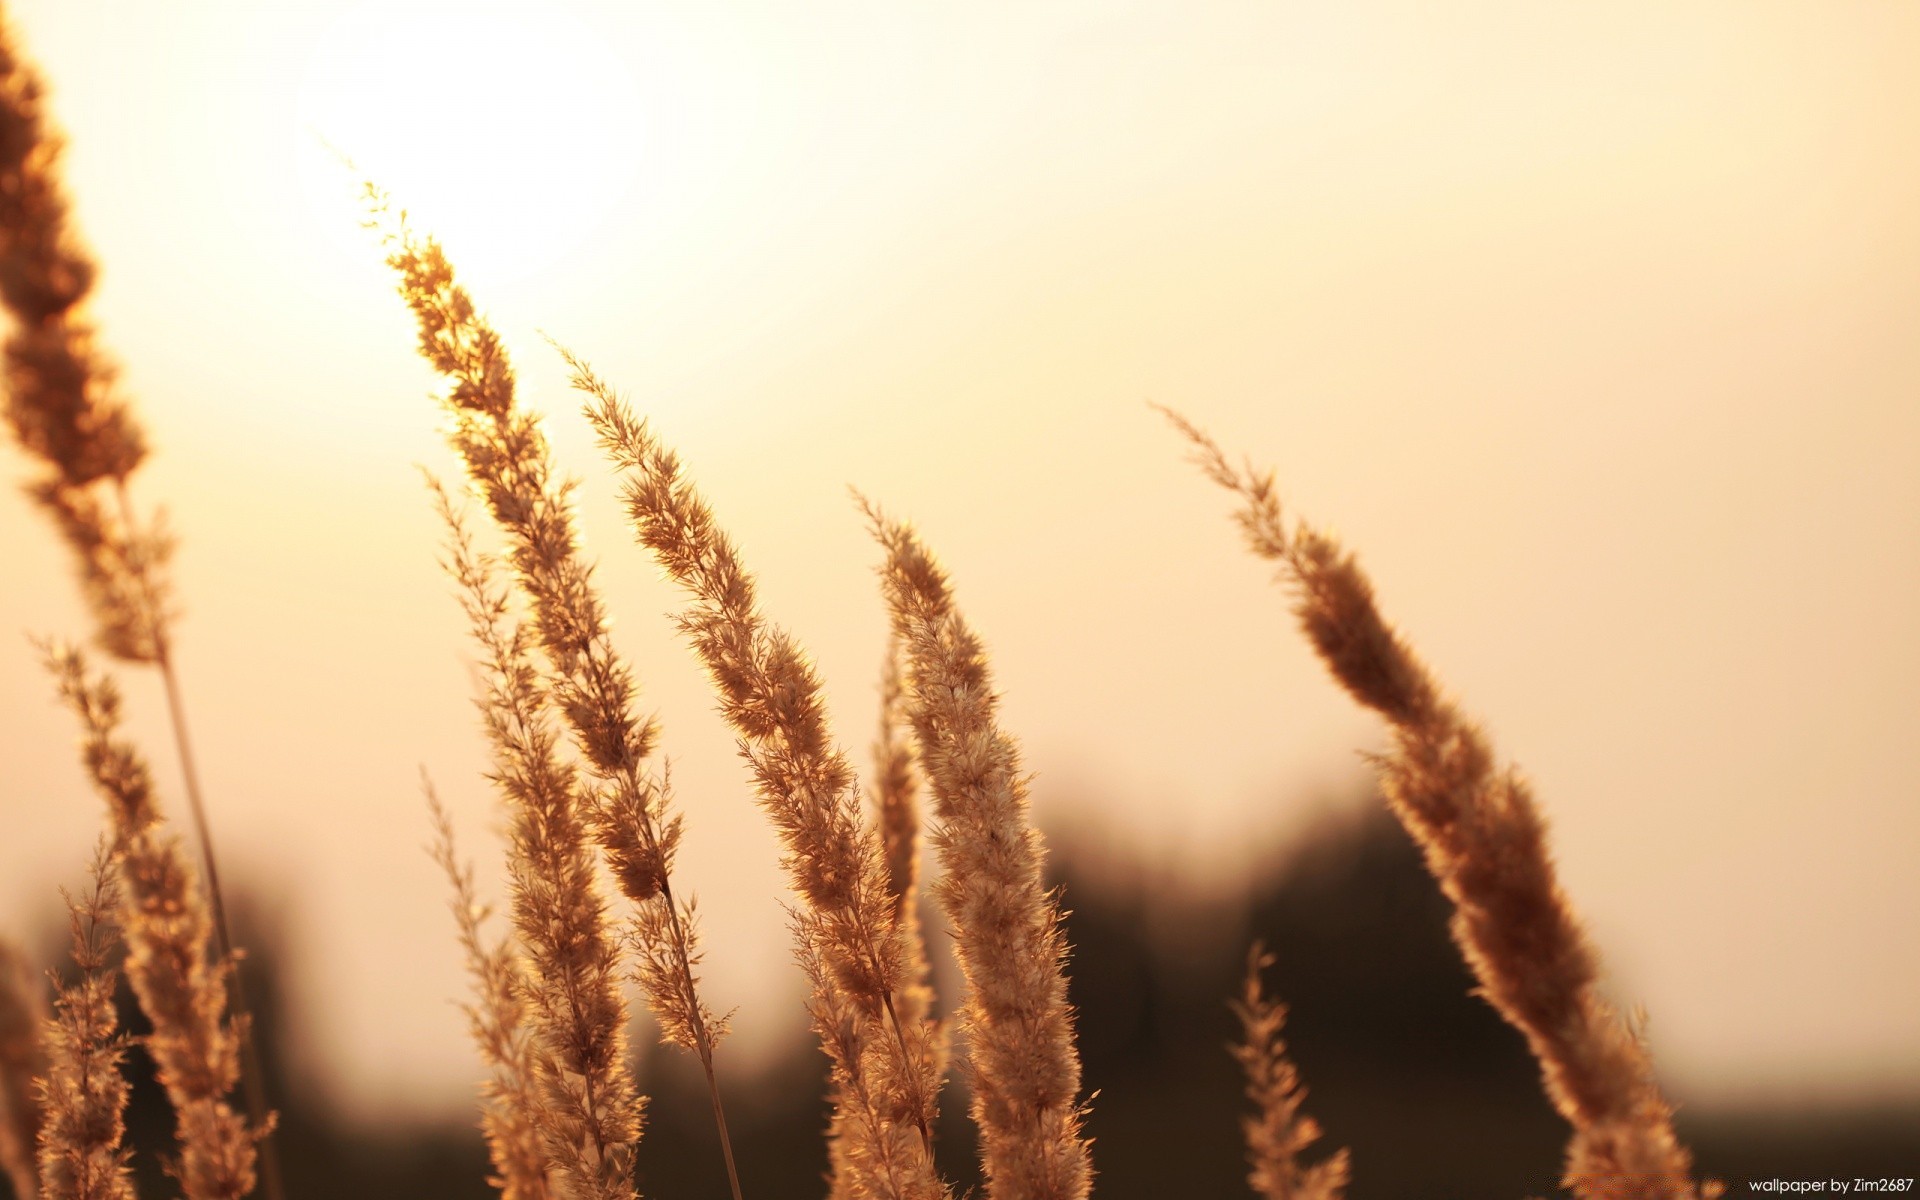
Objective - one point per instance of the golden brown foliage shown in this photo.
(181, 986)
(82, 1088)
(895, 800)
(509, 464)
(896, 789)
(1485, 842)
(1278, 1132)
(60, 395)
(64, 412)
(590, 1114)
(849, 937)
(896, 794)
(511, 1113)
(1006, 926)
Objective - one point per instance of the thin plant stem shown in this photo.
(720, 1122)
(848, 927)
(252, 1082)
(702, 1038)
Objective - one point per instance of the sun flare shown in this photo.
(515, 171)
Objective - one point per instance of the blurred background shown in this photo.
(1592, 331)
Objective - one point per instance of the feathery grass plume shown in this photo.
(591, 1113)
(23, 1059)
(64, 411)
(1485, 842)
(80, 1153)
(61, 401)
(1278, 1132)
(847, 930)
(508, 461)
(895, 795)
(510, 1111)
(1006, 925)
(897, 811)
(872, 1152)
(181, 986)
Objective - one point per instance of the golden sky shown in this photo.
(1592, 329)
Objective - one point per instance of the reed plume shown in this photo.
(1006, 924)
(23, 1059)
(896, 790)
(1485, 842)
(66, 413)
(62, 403)
(509, 464)
(511, 1109)
(896, 804)
(85, 1095)
(590, 1113)
(1278, 1133)
(848, 933)
(894, 798)
(60, 396)
(168, 926)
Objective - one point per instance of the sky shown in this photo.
(1591, 330)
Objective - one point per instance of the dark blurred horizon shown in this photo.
(1431, 1091)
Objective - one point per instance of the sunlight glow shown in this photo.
(514, 166)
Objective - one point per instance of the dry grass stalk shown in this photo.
(511, 1114)
(895, 786)
(872, 1151)
(60, 395)
(181, 985)
(590, 1113)
(1278, 1133)
(23, 1059)
(80, 1153)
(1485, 842)
(61, 400)
(64, 412)
(895, 801)
(849, 937)
(1006, 925)
(508, 462)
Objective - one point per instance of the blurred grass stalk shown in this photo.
(1485, 842)
(64, 412)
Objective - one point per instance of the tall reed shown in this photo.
(590, 1113)
(894, 799)
(509, 464)
(23, 1059)
(896, 804)
(849, 934)
(81, 1154)
(65, 411)
(180, 983)
(1278, 1133)
(500, 1020)
(1006, 925)
(1485, 842)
